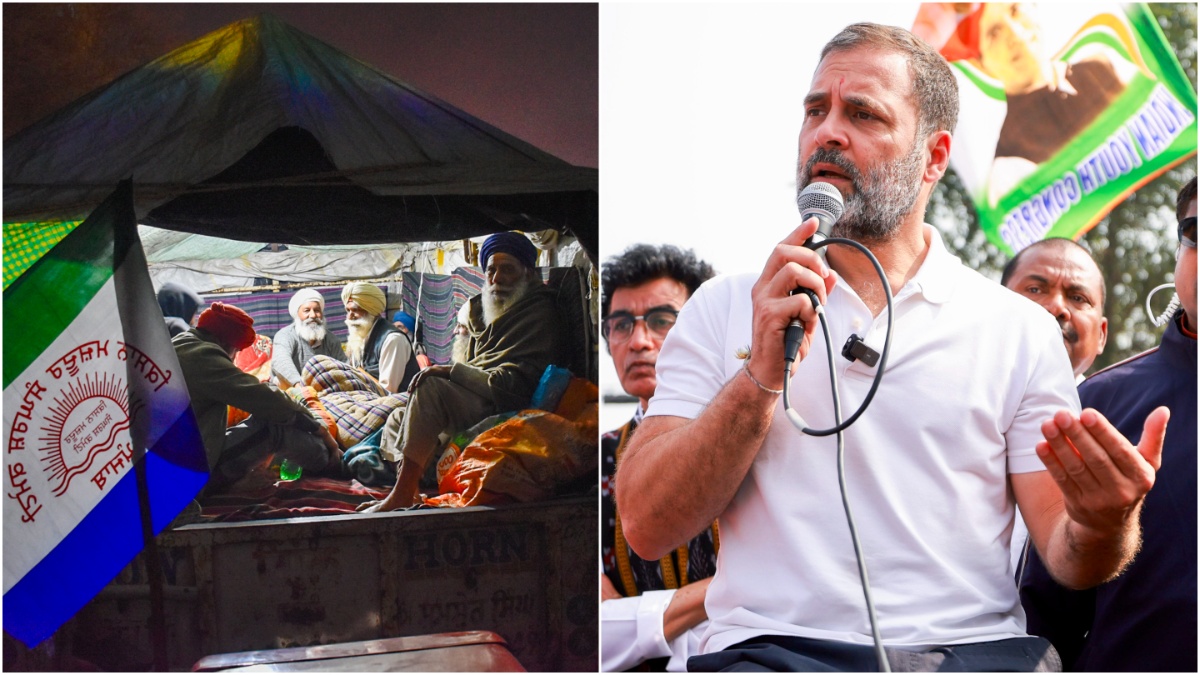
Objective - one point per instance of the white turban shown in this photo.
(368, 296)
(302, 298)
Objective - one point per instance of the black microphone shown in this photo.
(823, 202)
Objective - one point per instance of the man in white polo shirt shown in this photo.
(977, 400)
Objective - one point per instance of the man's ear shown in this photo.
(938, 145)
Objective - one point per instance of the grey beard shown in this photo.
(879, 203)
(311, 330)
(494, 308)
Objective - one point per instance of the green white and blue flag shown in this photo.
(91, 388)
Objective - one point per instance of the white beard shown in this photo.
(356, 339)
(495, 307)
(459, 350)
(311, 330)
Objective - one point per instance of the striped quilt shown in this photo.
(354, 400)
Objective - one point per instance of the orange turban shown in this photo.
(229, 324)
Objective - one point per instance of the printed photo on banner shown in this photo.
(1073, 107)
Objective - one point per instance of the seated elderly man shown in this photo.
(373, 343)
(277, 425)
(515, 331)
(303, 339)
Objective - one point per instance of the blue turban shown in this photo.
(405, 318)
(512, 243)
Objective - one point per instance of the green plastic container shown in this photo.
(289, 471)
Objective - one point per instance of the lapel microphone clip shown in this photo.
(857, 350)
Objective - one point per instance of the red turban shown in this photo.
(229, 324)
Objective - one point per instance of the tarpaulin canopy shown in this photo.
(206, 264)
(259, 132)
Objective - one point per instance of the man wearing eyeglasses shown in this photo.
(652, 610)
(1145, 619)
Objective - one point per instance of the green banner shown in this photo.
(1048, 143)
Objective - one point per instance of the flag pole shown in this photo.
(125, 239)
(158, 614)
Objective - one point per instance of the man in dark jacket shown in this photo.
(515, 332)
(277, 425)
(1145, 619)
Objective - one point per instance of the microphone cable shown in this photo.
(792, 338)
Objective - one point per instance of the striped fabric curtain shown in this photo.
(270, 309)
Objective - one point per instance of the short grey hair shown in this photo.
(933, 82)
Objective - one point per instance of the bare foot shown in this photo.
(368, 507)
(403, 494)
(384, 505)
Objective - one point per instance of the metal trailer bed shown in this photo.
(526, 572)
